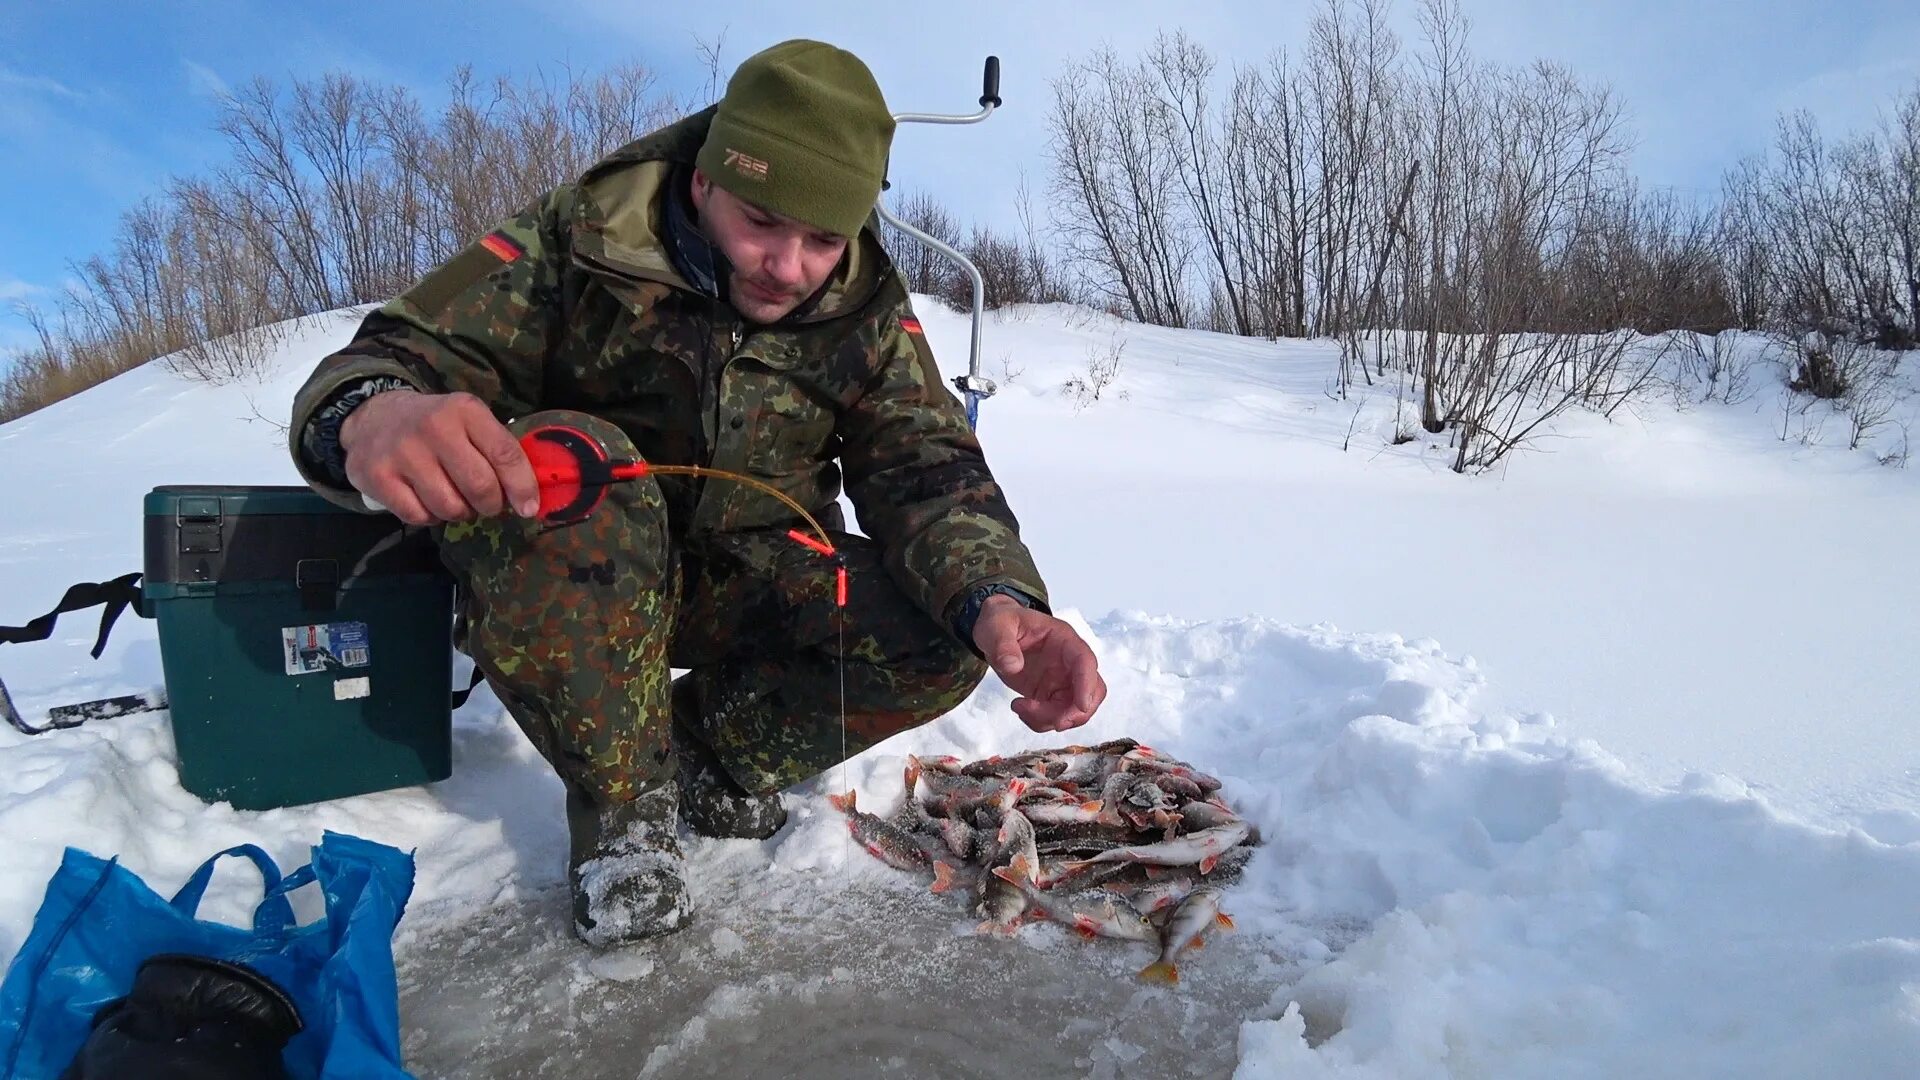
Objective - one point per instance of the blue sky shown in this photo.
(101, 102)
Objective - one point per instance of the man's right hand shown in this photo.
(436, 457)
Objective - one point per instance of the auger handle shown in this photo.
(990, 83)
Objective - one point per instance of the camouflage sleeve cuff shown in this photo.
(968, 611)
(320, 439)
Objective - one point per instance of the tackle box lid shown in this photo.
(192, 500)
(289, 535)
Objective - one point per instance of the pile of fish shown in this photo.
(1114, 840)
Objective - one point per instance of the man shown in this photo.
(714, 293)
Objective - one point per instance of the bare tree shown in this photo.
(1116, 168)
(923, 269)
(336, 192)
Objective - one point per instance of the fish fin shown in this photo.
(1162, 972)
(1018, 785)
(1076, 748)
(1198, 943)
(1223, 921)
(1168, 822)
(843, 803)
(1006, 874)
(943, 877)
(912, 775)
(1085, 927)
(1156, 873)
(1022, 869)
(1207, 864)
(1006, 827)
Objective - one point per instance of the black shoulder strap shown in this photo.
(460, 696)
(118, 595)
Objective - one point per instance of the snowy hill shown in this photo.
(1600, 765)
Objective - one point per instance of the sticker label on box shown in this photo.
(352, 689)
(325, 647)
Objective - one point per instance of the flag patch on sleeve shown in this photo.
(911, 325)
(503, 246)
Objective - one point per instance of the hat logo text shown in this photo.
(746, 165)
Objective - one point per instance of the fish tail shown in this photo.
(942, 877)
(843, 803)
(913, 774)
(1161, 971)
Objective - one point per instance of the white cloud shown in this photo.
(203, 81)
(12, 81)
(12, 289)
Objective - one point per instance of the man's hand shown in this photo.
(436, 457)
(1044, 661)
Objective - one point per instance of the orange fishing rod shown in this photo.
(574, 471)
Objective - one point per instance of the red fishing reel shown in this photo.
(573, 471)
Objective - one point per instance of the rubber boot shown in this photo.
(626, 870)
(711, 801)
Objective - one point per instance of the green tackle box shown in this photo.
(307, 649)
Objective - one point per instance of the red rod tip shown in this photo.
(810, 542)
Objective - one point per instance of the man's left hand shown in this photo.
(1043, 660)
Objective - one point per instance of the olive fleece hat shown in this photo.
(803, 131)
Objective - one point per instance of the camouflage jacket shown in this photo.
(577, 304)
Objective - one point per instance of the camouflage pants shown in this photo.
(578, 627)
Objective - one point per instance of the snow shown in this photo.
(1598, 765)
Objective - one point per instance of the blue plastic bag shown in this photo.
(99, 921)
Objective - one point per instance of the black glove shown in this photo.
(190, 1018)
